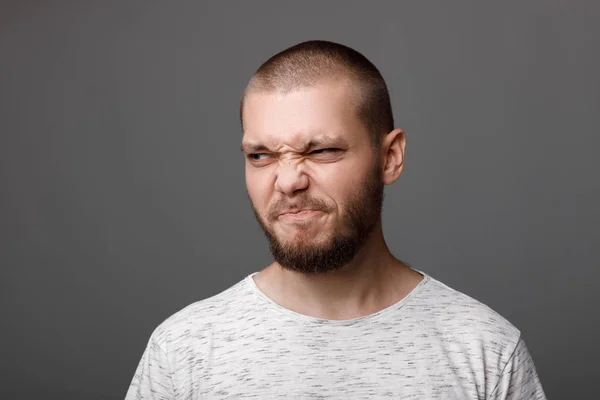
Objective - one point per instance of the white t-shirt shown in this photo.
(436, 343)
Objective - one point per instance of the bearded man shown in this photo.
(336, 315)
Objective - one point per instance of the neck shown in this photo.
(373, 280)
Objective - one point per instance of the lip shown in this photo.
(300, 214)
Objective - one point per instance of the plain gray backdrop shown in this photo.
(122, 184)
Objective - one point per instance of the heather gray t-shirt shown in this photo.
(436, 343)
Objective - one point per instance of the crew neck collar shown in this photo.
(287, 313)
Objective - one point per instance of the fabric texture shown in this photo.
(436, 343)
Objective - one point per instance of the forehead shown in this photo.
(294, 118)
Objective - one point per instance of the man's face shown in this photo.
(312, 175)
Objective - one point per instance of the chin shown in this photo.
(302, 242)
(317, 237)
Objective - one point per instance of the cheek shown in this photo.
(257, 186)
(341, 181)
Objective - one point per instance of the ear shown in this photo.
(393, 147)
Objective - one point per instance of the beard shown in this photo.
(348, 236)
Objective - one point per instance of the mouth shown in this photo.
(300, 214)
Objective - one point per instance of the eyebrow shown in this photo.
(329, 141)
(248, 147)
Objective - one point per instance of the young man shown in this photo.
(336, 316)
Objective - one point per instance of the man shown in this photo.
(336, 316)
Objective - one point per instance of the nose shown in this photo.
(290, 178)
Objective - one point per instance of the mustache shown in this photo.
(282, 205)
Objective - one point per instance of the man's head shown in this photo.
(318, 136)
(309, 63)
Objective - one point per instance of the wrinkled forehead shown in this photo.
(297, 118)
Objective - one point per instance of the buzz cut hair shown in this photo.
(316, 61)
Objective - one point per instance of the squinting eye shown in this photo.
(321, 151)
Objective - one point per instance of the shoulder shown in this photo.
(461, 319)
(467, 333)
(197, 320)
(451, 307)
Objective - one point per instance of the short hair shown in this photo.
(315, 61)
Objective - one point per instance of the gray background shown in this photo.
(123, 196)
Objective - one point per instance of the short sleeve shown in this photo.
(153, 378)
(519, 379)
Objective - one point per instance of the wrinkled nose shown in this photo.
(290, 178)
